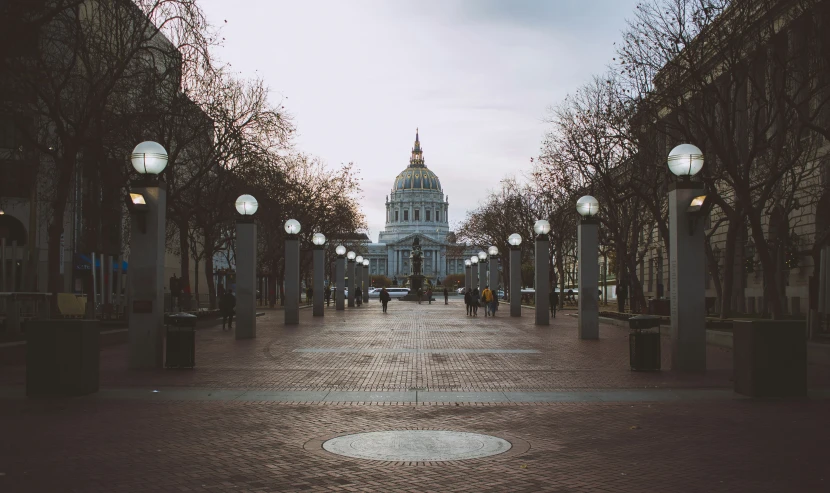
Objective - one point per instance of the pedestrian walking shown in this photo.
(554, 302)
(226, 306)
(175, 293)
(384, 298)
(358, 296)
(494, 303)
(486, 299)
(446, 297)
(468, 302)
(429, 295)
(474, 299)
(420, 294)
(309, 294)
(328, 296)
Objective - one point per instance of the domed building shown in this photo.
(416, 207)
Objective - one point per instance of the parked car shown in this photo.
(460, 290)
(397, 292)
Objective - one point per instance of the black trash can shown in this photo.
(644, 343)
(180, 341)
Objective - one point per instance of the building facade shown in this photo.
(417, 207)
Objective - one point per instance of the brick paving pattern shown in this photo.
(140, 444)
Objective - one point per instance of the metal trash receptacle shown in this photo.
(180, 341)
(644, 343)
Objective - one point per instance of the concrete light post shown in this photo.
(147, 203)
(468, 280)
(292, 272)
(493, 253)
(246, 206)
(367, 281)
(474, 274)
(482, 271)
(340, 297)
(515, 274)
(542, 272)
(319, 240)
(687, 203)
(350, 276)
(588, 268)
(358, 275)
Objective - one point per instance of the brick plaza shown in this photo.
(251, 415)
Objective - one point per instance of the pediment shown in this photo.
(407, 240)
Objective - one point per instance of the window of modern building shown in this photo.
(406, 215)
(417, 214)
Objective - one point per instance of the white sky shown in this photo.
(476, 76)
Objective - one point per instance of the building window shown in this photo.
(406, 215)
(417, 214)
(438, 216)
(396, 216)
(428, 215)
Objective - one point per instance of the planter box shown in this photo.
(62, 357)
(770, 358)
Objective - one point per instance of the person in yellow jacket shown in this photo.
(487, 300)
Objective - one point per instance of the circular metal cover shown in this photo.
(417, 445)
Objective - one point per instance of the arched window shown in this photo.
(12, 230)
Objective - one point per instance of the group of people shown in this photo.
(488, 298)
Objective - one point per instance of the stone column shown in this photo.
(319, 281)
(292, 280)
(350, 284)
(687, 280)
(340, 300)
(367, 283)
(467, 280)
(147, 247)
(246, 242)
(358, 278)
(542, 274)
(494, 273)
(587, 278)
(515, 281)
(482, 275)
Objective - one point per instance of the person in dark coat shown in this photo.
(328, 296)
(226, 306)
(384, 298)
(429, 295)
(554, 302)
(468, 301)
(446, 296)
(475, 302)
(309, 295)
(358, 296)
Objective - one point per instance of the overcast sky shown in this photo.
(476, 76)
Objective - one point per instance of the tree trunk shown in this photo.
(768, 265)
(209, 273)
(184, 257)
(54, 230)
(725, 291)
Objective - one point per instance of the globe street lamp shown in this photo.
(468, 280)
(358, 275)
(515, 240)
(588, 267)
(482, 271)
(246, 242)
(493, 254)
(292, 272)
(319, 254)
(147, 203)
(687, 203)
(542, 272)
(366, 280)
(350, 257)
(340, 297)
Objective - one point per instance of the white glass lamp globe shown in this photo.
(351, 255)
(246, 205)
(587, 206)
(482, 255)
(318, 239)
(542, 227)
(467, 263)
(474, 259)
(149, 158)
(515, 239)
(685, 160)
(359, 259)
(493, 251)
(366, 262)
(340, 250)
(292, 226)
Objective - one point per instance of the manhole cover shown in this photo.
(417, 445)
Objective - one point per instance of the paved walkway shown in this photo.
(241, 419)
